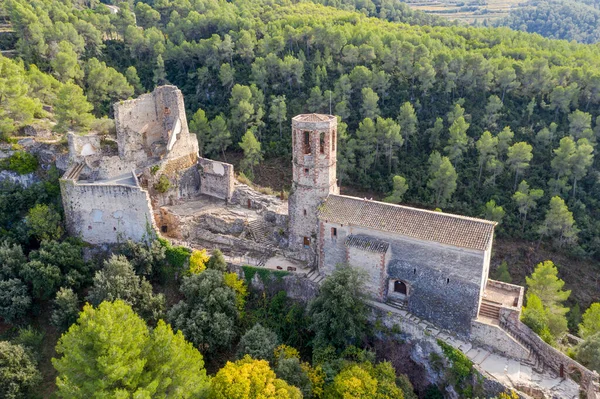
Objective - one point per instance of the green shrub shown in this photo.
(460, 370)
(22, 162)
(30, 339)
(178, 256)
(163, 184)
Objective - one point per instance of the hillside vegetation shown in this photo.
(414, 101)
(486, 122)
(558, 19)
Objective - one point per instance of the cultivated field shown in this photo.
(467, 11)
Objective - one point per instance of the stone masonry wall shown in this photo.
(551, 357)
(497, 339)
(104, 214)
(154, 126)
(83, 146)
(444, 281)
(216, 178)
(373, 263)
(110, 167)
(314, 178)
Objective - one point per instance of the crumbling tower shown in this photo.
(314, 161)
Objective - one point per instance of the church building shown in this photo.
(433, 264)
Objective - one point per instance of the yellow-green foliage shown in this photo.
(286, 352)
(198, 261)
(239, 286)
(316, 375)
(163, 184)
(508, 395)
(250, 379)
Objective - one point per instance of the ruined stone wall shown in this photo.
(444, 281)
(83, 146)
(154, 126)
(216, 178)
(110, 167)
(101, 214)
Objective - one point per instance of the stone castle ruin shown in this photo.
(431, 267)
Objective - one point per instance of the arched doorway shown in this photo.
(400, 287)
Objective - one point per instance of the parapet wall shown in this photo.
(497, 339)
(216, 178)
(560, 363)
(105, 214)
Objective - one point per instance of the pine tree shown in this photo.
(72, 109)
(526, 199)
(559, 223)
(518, 157)
(407, 119)
(252, 152)
(502, 274)
(201, 127)
(545, 284)
(278, 112)
(457, 143)
(493, 212)
(400, 187)
(442, 178)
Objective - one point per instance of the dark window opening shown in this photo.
(400, 287)
(306, 242)
(322, 142)
(414, 271)
(164, 228)
(333, 140)
(307, 142)
(447, 281)
(333, 232)
(305, 212)
(306, 171)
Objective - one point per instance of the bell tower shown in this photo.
(314, 148)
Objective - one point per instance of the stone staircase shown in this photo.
(74, 171)
(527, 376)
(315, 276)
(396, 303)
(489, 309)
(259, 230)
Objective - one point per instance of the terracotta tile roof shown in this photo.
(366, 243)
(445, 228)
(313, 118)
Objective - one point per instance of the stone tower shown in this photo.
(314, 162)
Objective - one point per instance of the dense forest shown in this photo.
(558, 19)
(486, 122)
(470, 119)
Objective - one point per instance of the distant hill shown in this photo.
(558, 19)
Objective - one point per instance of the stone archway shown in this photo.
(400, 287)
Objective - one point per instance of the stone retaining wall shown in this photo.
(551, 357)
(497, 339)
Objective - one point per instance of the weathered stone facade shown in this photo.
(217, 178)
(443, 282)
(154, 126)
(114, 197)
(314, 178)
(106, 213)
